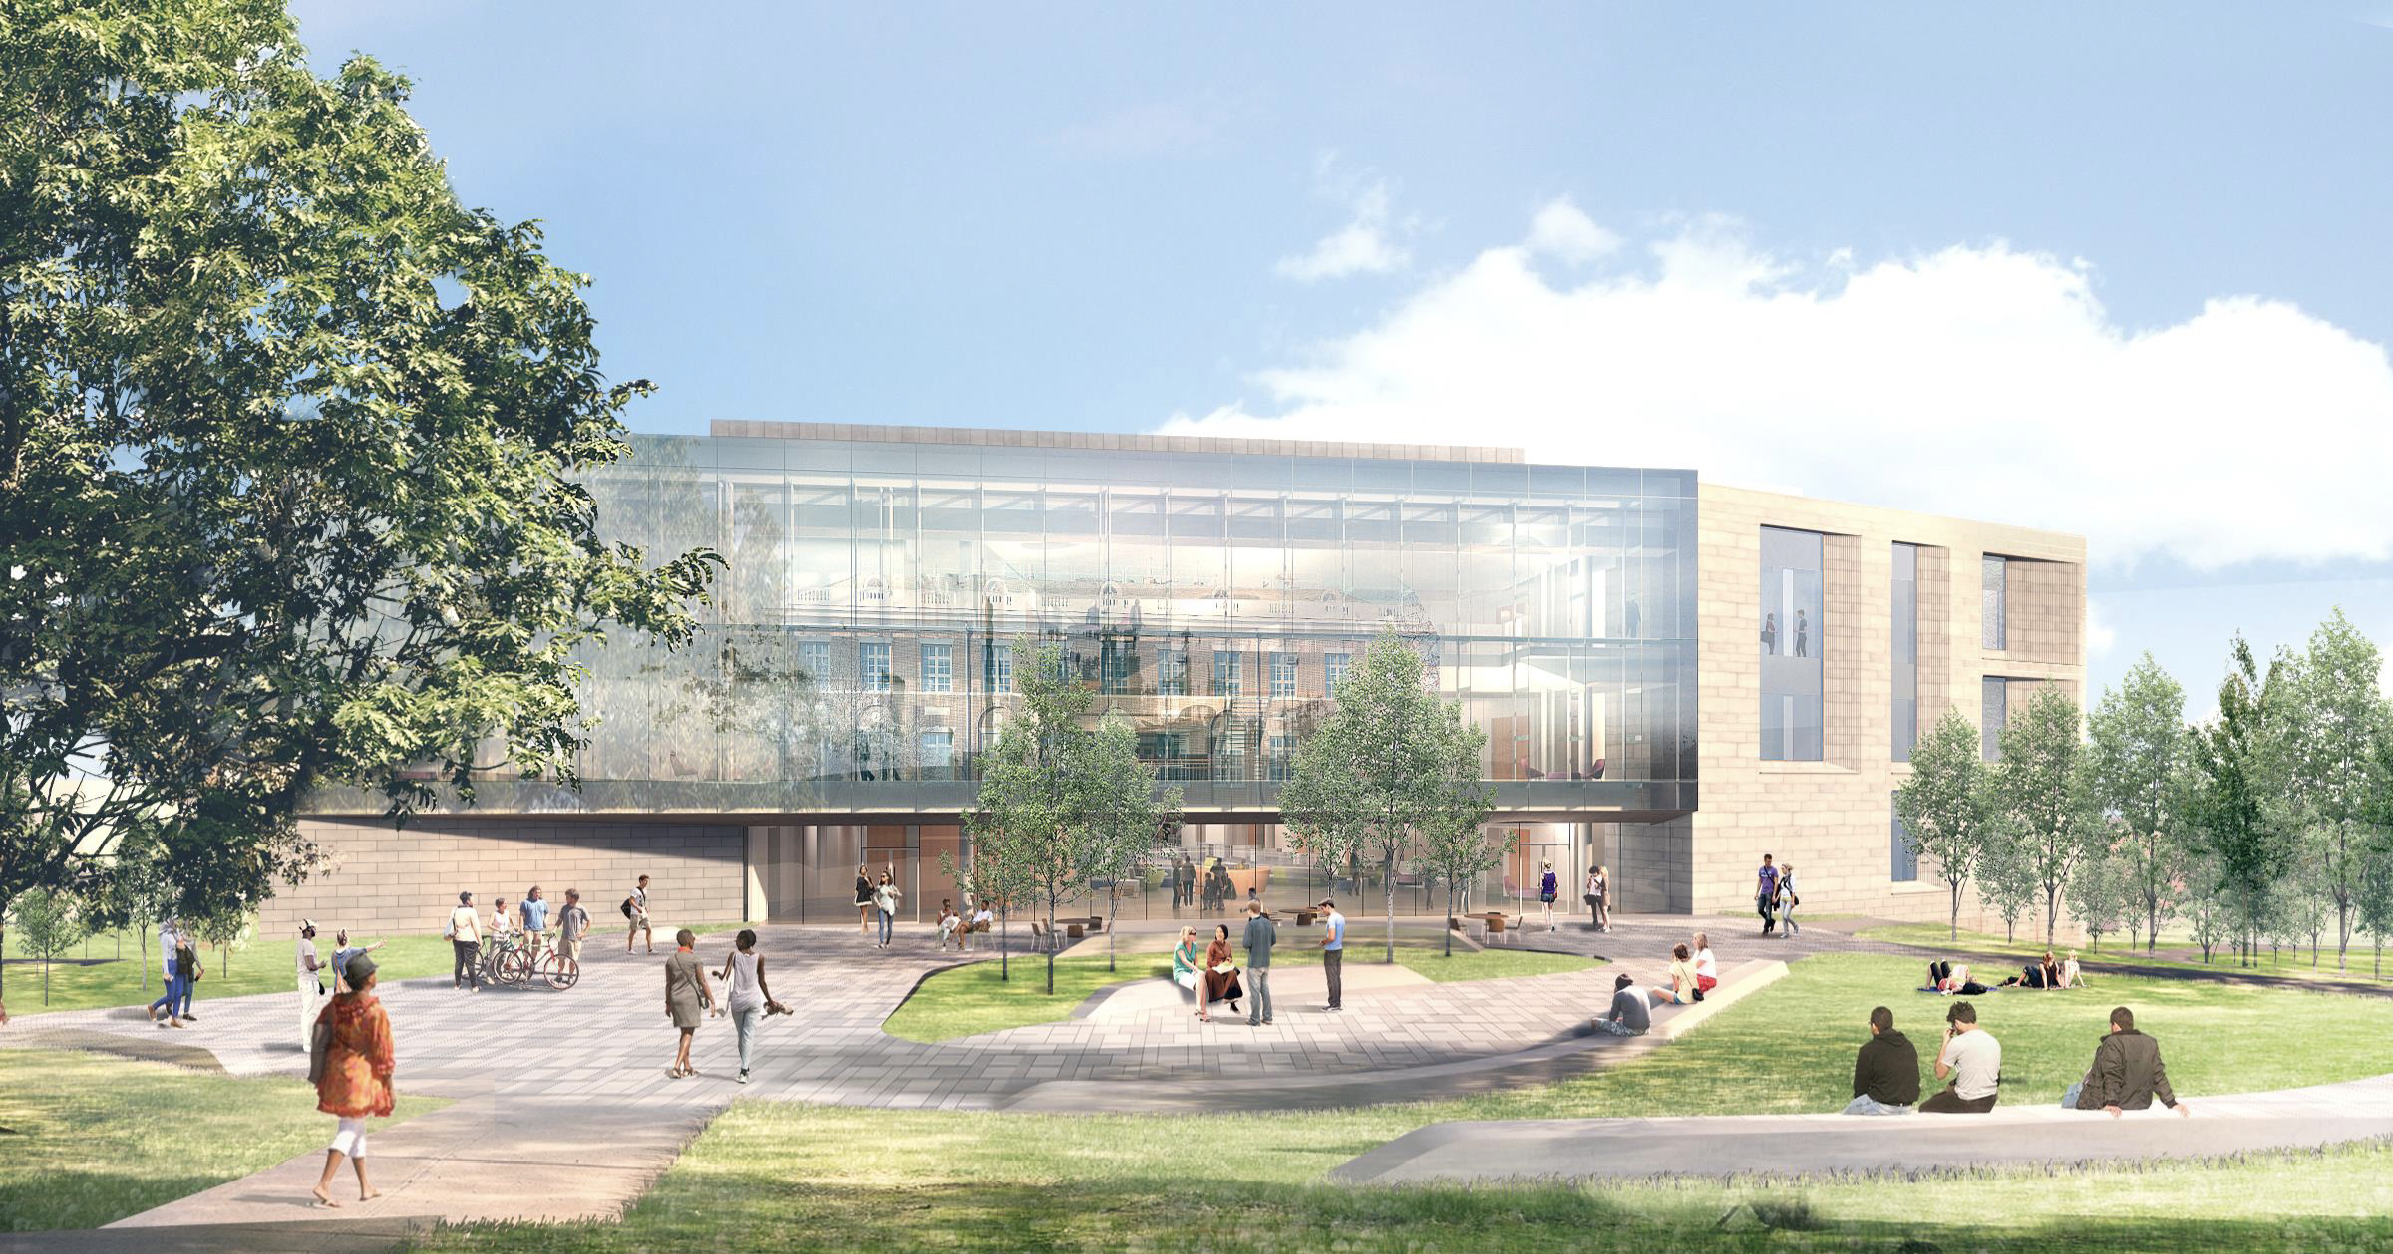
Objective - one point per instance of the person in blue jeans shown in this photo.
(171, 998)
(1333, 954)
(1765, 895)
(1260, 935)
(885, 902)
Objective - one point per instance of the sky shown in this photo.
(2119, 270)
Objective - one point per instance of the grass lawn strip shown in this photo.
(2005, 957)
(260, 966)
(971, 1000)
(95, 1138)
(826, 1178)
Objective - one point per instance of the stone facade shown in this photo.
(1832, 818)
(384, 881)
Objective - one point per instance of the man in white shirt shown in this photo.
(1333, 954)
(465, 935)
(311, 983)
(1972, 1058)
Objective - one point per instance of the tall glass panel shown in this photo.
(1993, 715)
(1994, 580)
(1791, 633)
(1903, 712)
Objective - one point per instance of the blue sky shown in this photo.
(2119, 269)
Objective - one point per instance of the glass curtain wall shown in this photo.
(1903, 710)
(1792, 644)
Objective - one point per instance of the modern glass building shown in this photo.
(867, 634)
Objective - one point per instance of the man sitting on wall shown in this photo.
(1972, 1058)
(1886, 1074)
(1630, 1016)
(2127, 1073)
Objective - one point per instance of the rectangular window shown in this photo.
(1283, 676)
(938, 755)
(1994, 583)
(1903, 712)
(1993, 714)
(873, 666)
(938, 668)
(997, 669)
(1792, 643)
(1333, 668)
(1229, 757)
(1277, 753)
(1118, 669)
(1171, 672)
(814, 657)
(1902, 863)
(1226, 674)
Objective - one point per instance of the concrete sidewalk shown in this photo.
(1829, 1144)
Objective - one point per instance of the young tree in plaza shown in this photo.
(1374, 779)
(2098, 893)
(992, 879)
(2040, 788)
(2135, 758)
(1458, 849)
(2006, 878)
(1945, 809)
(137, 893)
(290, 449)
(2205, 903)
(1122, 816)
(2322, 760)
(46, 925)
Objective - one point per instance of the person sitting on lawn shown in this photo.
(2127, 1073)
(1972, 1058)
(2045, 974)
(1950, 977)
(1886, 1074)
(2071, 977)
(1629, 1015)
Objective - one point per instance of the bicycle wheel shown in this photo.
(562, 972)
(517, 967)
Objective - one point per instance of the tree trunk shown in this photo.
(145, 960)
(1450, 917)
(1004, 973)
(1388, 890)
(1113, 915)
(2052, 911)
(1953, 926)
(1053, 943)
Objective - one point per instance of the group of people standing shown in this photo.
(528, 924)
(178, 957)
(1213, 975)
(878, 900)
(1208, 888)
(1774, 897)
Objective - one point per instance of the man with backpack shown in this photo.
(635, 908)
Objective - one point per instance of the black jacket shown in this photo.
(2127, 1073)
(1887, 1071)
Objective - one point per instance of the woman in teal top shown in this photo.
(1186, 969)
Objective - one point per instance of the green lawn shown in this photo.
(821, 1178)
(260, 966)
(971, 1000)
(93, 1137)
(1999, 954)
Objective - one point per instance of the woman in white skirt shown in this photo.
(311, 984)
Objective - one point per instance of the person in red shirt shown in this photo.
(354, 1082)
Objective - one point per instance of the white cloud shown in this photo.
(1979, 381)
(1562, 231)
(2100, 635)
(1369, 243)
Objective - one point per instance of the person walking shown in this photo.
(465, 936)
(1261, 934)
(1972, 1058)
(747, 992)
(2126, 1075)
(311, 982)
(1886, 1072)
(168, 990)
(687, 997)
(864, 900)
(1221, 974)
(1598, 907)
(180, 963)
(884, 901)
(187, 966)
(1547, 892)
(354, 1082)
(1765, 895)
(1333, 955)
(635, 908)
(1787, 900)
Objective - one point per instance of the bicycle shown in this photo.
(507, 961)
(560, 971)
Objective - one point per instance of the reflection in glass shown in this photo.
(1791, 646)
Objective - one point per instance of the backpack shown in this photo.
(627, 910)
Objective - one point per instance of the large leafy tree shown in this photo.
(2040, 787)
(2224, 805)
(289, 452)
(1946, 811)
(1380, 773)
(2136, 755)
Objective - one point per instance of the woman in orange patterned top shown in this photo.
(356, 1078)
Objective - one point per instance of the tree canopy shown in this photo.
(290, 446)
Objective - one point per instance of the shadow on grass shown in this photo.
(88, 1199)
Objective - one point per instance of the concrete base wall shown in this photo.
(384, 881)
